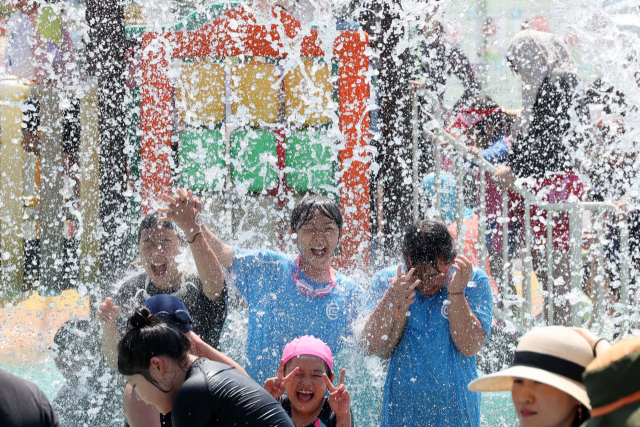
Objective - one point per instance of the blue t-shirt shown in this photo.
(279, 312)
(427, 379)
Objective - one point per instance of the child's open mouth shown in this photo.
(305, 396)
(319, 252)
(159, 270)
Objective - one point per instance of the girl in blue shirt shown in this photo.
(289, 295)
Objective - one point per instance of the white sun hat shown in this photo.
(553, 355)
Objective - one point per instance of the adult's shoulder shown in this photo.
(25, 402)
(192, 403)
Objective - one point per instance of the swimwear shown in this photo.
(326, 417)
(215, 394)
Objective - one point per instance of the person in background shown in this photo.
(75, 348)
(154, 357)
(539, 154)
(545, 378)
(23, 404)
(613, 385)
(483, 126)
(429, 316)
(436, 58)
(171, 310)
(306, 374)
(289, 295)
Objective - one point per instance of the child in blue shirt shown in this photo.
(289, 295)
(429, 317)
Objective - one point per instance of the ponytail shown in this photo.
(149, 337)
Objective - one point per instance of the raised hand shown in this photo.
(182, 209)
(464, 273)
(402, 289)
(339, 397)
(275, 385)
(108, 312)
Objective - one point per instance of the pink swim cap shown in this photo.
(308, 345)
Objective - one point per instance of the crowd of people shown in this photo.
(428, 316)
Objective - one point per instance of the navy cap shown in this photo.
(171, 310)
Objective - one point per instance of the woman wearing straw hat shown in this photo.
(545, 377)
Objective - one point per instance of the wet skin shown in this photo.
(431, 281)
(159, 248)
(317, 240)
(307, 388)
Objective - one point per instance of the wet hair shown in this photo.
(583, 415)
(304, 211)
(428, 241)
(152, 220)
(149, 337)
(499, 121)
(326, 367)
(73, 339)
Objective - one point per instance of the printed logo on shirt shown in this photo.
(445, 311)
(332, 311)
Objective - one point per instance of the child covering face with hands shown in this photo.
(306, 373)
(429, 316)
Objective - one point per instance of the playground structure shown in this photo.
(253, 129)
(254, 126)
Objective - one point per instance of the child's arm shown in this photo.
(275, 385)
(108, 314)
(340, 401)
(223, 252)
(182, 211)
(205, 350)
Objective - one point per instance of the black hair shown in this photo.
(149, 337)
(71, 332)
(73, 343)
(428, 241)
(583, 415)
(152, 220)
(498, 121)
(304, 211)
(326, 367)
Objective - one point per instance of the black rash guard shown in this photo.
(215, 394)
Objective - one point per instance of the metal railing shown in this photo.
(520, 312)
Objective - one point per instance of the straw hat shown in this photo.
(554, 355)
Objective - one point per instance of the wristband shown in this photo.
(194, 237)
(455, 293)
(596, 345)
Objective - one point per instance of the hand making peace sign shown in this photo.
(275, 385)
(339, 397)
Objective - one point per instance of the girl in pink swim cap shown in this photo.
(306, 373)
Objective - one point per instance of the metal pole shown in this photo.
(527, 315)
(505, 247)
(575, 257)
(437, 157)
(414, 163)
(460, 204)
(550, 281)
(482, 222)
(624, 275)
